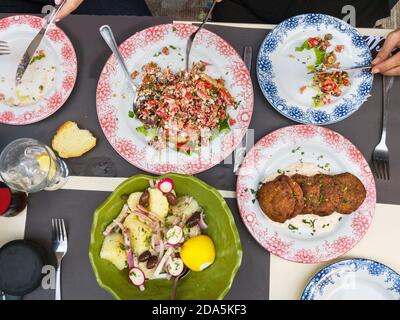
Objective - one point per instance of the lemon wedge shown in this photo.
(46, 165)
(198, 253)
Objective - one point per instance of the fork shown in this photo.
(4, 48)
(193, 35)
(380, 157)
(60, 247)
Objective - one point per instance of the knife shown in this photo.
(30, 52)
(240, 152)
(247, 57)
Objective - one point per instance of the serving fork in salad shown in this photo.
(330, 70)
(193, 35)
(108, 36)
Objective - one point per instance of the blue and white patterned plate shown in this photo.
(282, 71)
(354, 279)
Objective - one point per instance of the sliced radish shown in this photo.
(174, 235)
(175, 267)
(165, 185)
(148, 213)
(137, 277)
(163, 261)
(202, 223)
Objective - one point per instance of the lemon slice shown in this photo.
(46, 165)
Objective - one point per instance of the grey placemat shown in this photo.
(78, 280)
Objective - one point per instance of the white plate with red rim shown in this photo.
(114, 96)
(60, 56)
(304, 241)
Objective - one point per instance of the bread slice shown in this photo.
(71, 142)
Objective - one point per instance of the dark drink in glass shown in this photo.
(11, 202)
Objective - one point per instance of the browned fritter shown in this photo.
(297, 194)
(328, 197)
(276, 200)
(311, 192)
(351, 191)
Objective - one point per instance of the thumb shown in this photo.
(69, 6)
(392, 41)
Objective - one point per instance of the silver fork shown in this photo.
(193, 35)
(60, 247)
(4, 48)
(380, 157)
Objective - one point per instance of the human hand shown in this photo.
(384, 62)
(68, 8)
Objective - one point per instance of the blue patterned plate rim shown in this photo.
(375, 268)
(312, 116)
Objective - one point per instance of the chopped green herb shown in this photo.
(295, 150)
(303, 47)
(172, 47)
(38, 57)
(223, 125)
(310, 222)
(151, 132)
(131, 114)
(319, 55)
(292, 227)
(317, 100)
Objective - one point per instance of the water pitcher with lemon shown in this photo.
(28, 165)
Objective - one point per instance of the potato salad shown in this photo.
(158, 235)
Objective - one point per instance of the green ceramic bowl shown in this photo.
(212, 283)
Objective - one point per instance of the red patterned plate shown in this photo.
(308, 238)
(56, 82)
(114, 96)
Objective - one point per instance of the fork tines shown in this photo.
(382, 169)
(4, 48)
(59, 231)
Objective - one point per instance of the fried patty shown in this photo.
(276, 200)
(297, 194)
(351, 192)
(328, 196)
(311, 192)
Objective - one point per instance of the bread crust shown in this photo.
(79, 150)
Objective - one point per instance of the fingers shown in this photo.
(392, 42)
(388, 64)
(69, 7)
(393, 72)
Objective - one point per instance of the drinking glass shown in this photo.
(30, 166)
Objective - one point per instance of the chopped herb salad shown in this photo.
(326, 84)
(182, 110)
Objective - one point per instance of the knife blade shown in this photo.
(240, 152)
(35, 43)
(247, 57)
